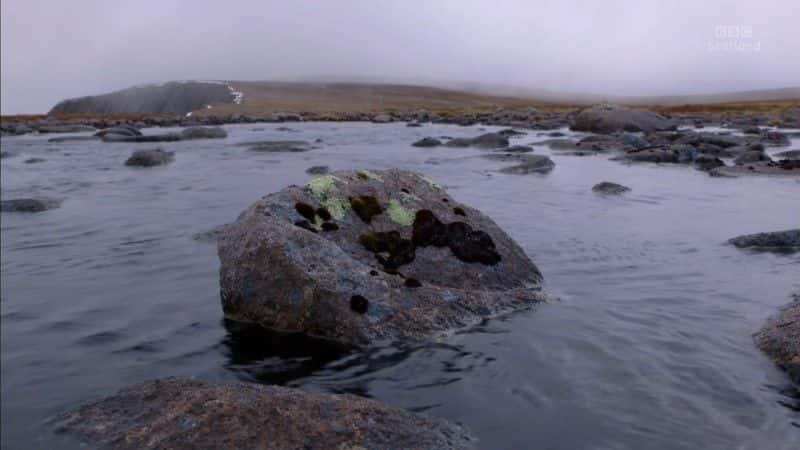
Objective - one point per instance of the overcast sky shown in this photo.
(57, 49)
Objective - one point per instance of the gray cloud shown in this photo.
(56, 49)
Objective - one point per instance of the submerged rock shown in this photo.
(34, 160)
(284, 268)
(530, 164)
(786, 239)
(166, 137)
(706, 163)
(188, 413)
(30, 205)
(485, 141)
(607, 119)
(278, 146)
(751, 157)
(609, 188)
(427, 142)
(204, 133)
(150, 158)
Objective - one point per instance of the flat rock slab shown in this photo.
(786, 239)
(359, 256)
(780, 339)
(188, 413)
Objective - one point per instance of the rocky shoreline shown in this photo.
(780, 339)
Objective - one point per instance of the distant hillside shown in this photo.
(260, 97)
(174, 97)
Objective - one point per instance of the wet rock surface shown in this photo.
(188, 413)
(780, 339)
(28, 205)
(297, 259)
(484, 141)
(165, 137)
(150, 158)
(786, 239)
(427, 142)
(609, 188)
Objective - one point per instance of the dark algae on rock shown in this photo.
(392, 232)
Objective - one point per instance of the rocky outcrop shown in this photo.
(775, 239)
(150, 158)
(780, 339)
(174, 97)
(789, 154)
(609, 188)
(605, 119)
(382, 118)
(28, 205)
(355, 257)
(188, 413)
(784, 167)
(204, 133)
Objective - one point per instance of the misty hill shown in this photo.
(173, 97)
(259, 97)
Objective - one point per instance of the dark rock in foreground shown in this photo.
(188, 413)
(31, 205)
(780, 339)
(605, 119)
(150, 158)
(609, 188)
(204, 133)
(775, 239)
(330, 260)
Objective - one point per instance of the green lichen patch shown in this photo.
(327, 194)
(400, 214)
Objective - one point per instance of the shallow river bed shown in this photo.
(649, 347)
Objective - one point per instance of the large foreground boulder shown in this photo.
(358, 256)
(776, 239)
(607, 119)
(780, 339)
(188, 413)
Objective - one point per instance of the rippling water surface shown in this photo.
(649, 347)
